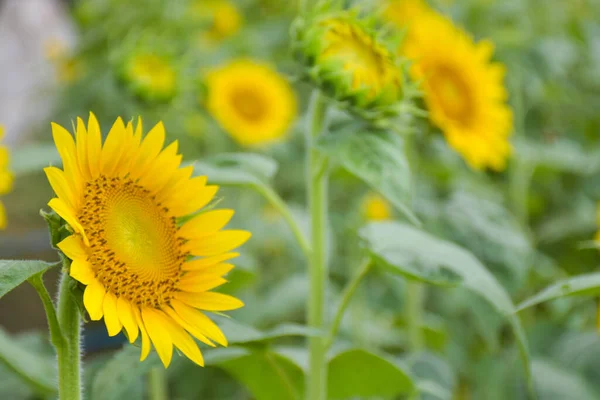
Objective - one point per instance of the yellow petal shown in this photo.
(61, 186)
(81, 139)
(94, 144)
(181, 339)
(162, 169)
(191, 196)
(160, 337)
(205, 223)
(93, 299)
(180, 176)
(188, 327)
(209, 301)
(68, 153)
(2, 216)
(111, 316)
(82, 271)
(127, 318)
(199, 322)
(113, 148)
(66, 213)
(201, 264)
(200, 283)
(149, 149)
(217, 243)
(144, 334)
(73, 248)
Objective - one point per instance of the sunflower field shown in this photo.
(300, 200)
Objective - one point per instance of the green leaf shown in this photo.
(559, 155)
(33, 158)
(553, 382)
(39, 371)
(405, 250)
(580, 285)
(15, 272)
(378, 159)
(238, 333)
(359, 373)
(268, 375)
(237, 169)
(434, 376)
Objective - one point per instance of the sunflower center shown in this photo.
(452, 93)
(135, 249)
(249, 103)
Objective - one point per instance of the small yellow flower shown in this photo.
(403, 13)
(251, 101)
(376, 208)
(6, 178)
(143, 270)
(151, 76)
(68, 68)
(463, 90)
(222, 17)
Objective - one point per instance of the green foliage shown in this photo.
(15, 272)
(587, 284)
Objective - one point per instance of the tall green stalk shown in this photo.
(69, 352)
(317, 202)
(414, 314)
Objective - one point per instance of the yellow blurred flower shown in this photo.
(144, 272)
(6, 178)
(251, 101)
(68, 68)
(376, 208)
(463, 90)
(367, 63)
(403, 12)
(151, 76)
(222, 17)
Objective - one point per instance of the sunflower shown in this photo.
(463, 90)
(6, 178)
(251, 101)
(143, 270)
(402, 13)
(223, 19)
(376, 208)
(151, 76)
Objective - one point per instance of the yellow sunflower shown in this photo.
(463, 90)
(223, 18)
(403, 13)
(144, 271)
(368, 65)
(376, 208)
(6, 178)
(151, 76)
(251, 101)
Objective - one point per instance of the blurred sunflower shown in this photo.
(366, 63)
(376, 208)
(463, 90)
(6, 178)
(402, 13)
(222, 17)
(251, 101)
(122, 199)
(151, 76)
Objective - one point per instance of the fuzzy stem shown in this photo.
(56, 336)
(346, 297)
(414, 309)
(158, 386)
(69, 353)
(317, 200)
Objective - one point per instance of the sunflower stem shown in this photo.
(346, 297)
(317, 179)
(414, 310)
(158, 387)
(69, 352)
(272, 197)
